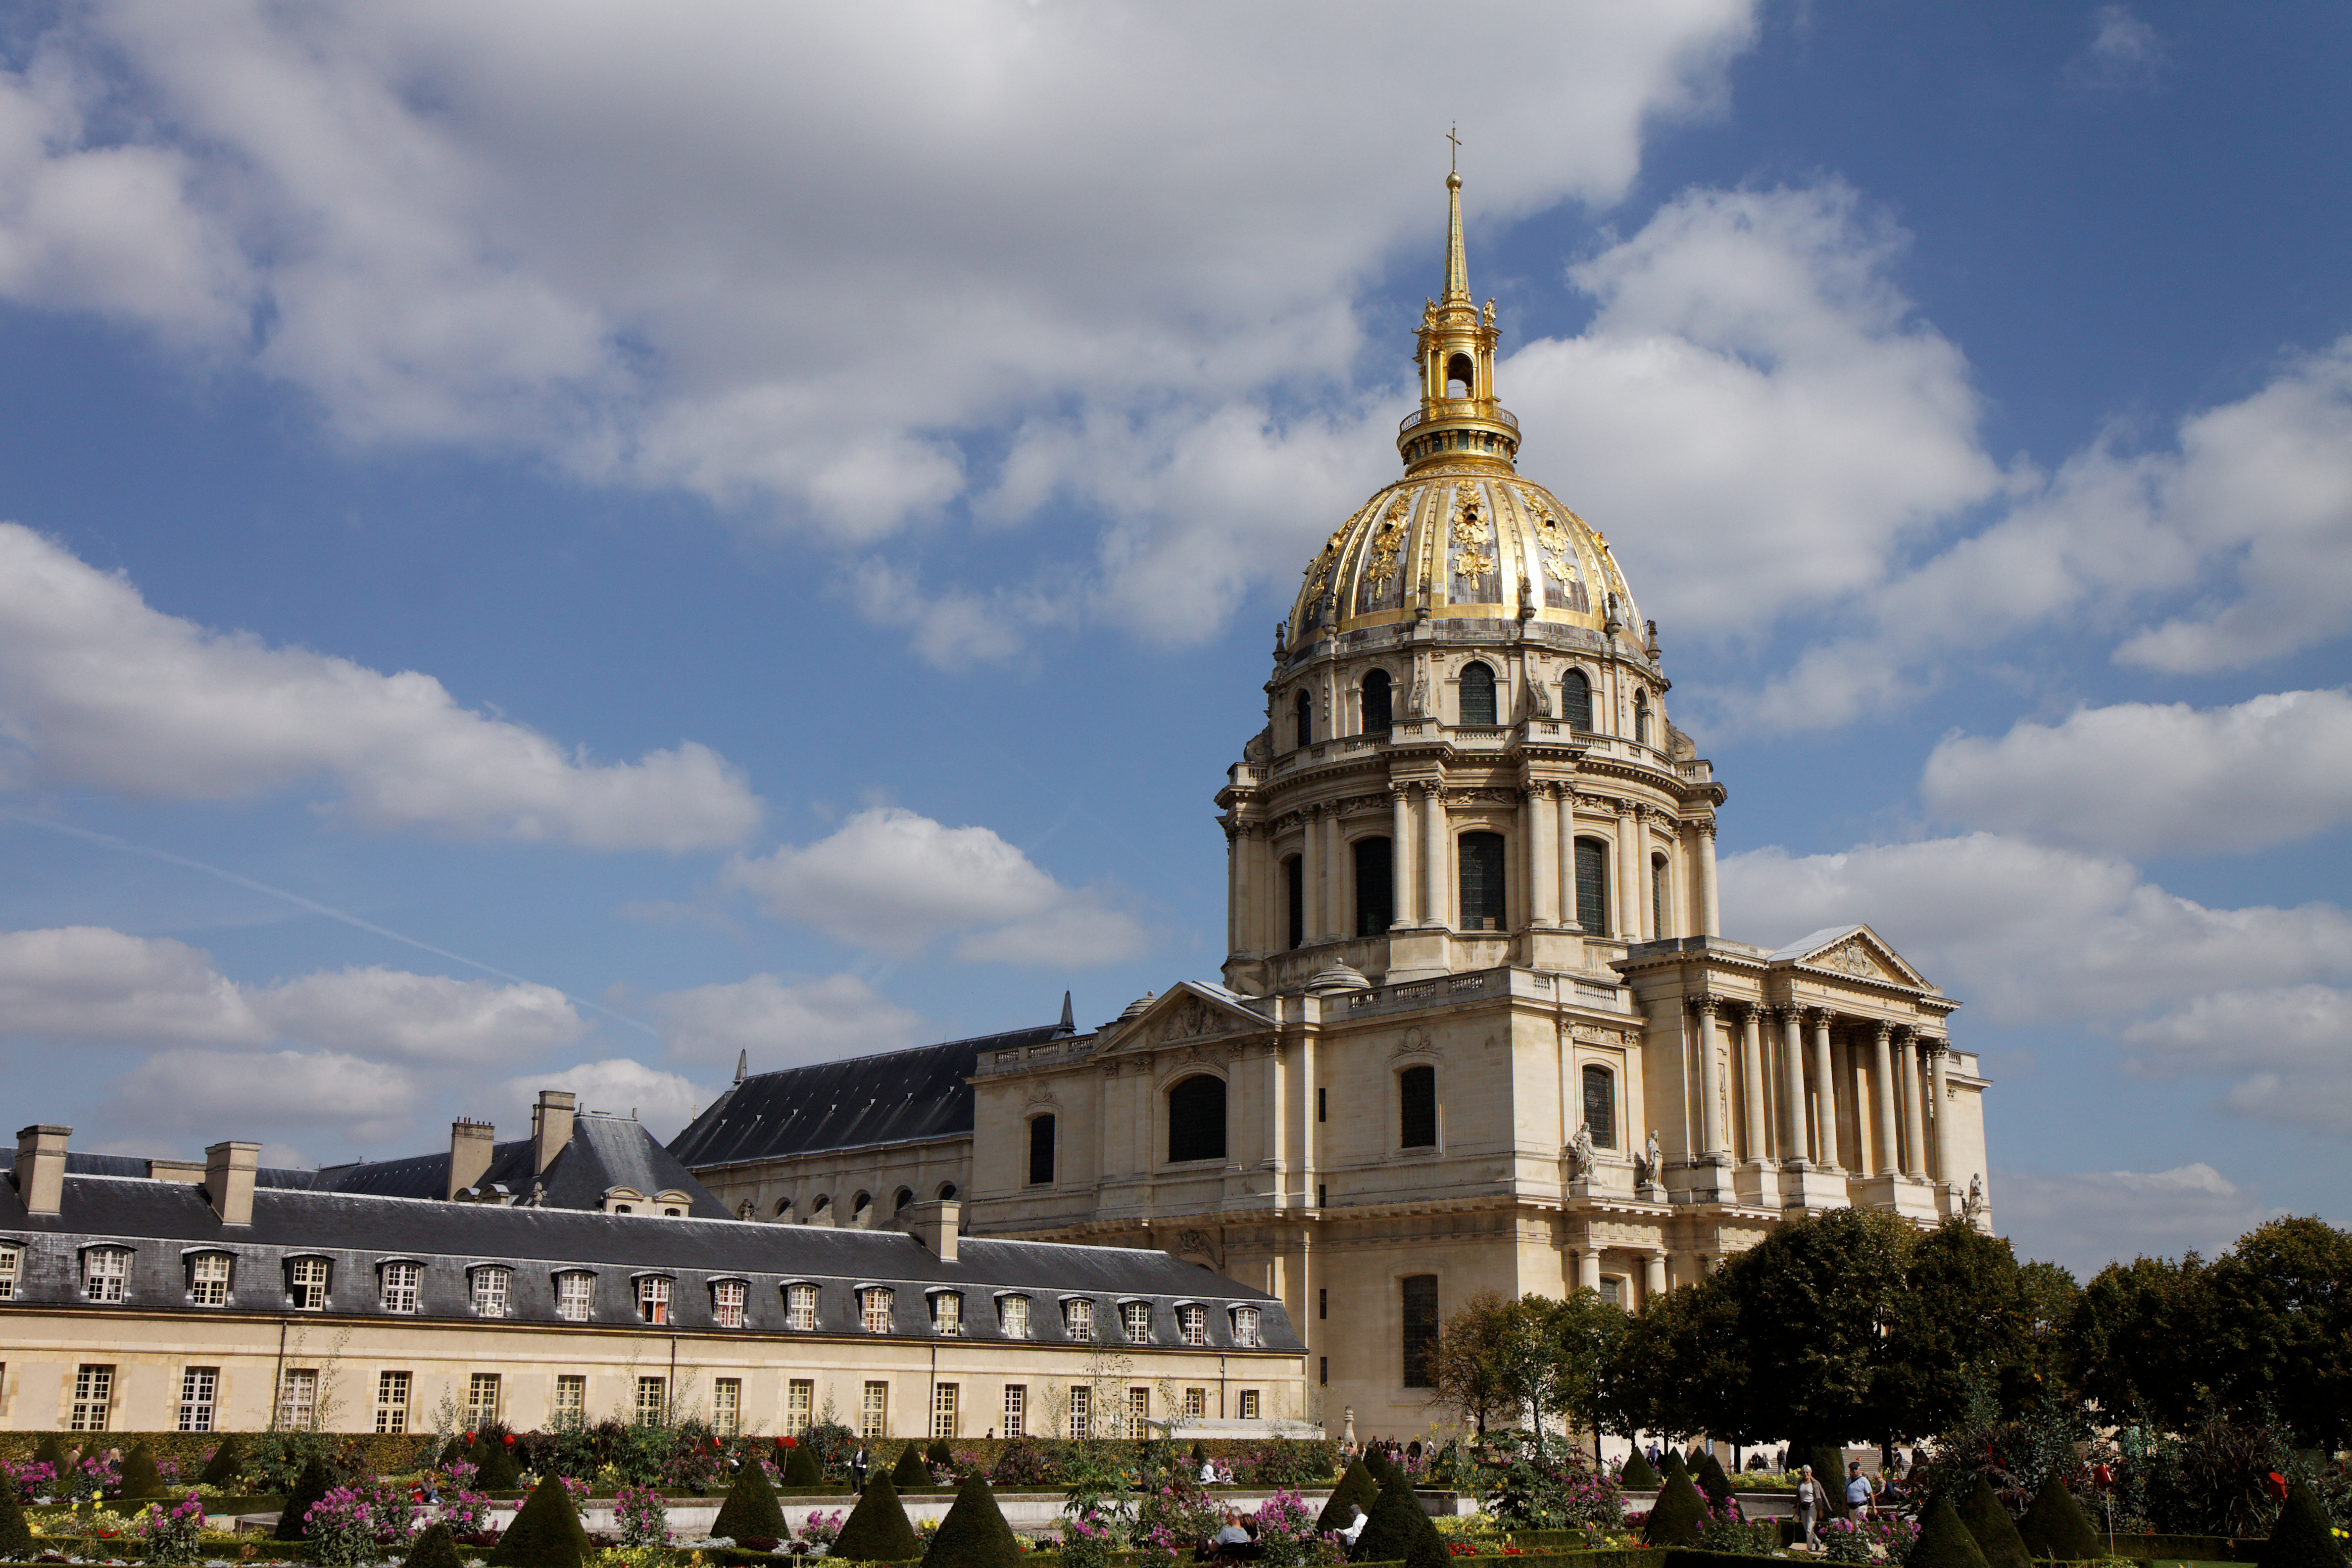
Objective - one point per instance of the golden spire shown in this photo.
(1457, 266)
(1460, 421)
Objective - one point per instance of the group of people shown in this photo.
(1866, 1497)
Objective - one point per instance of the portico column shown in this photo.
(1654, 1277)
(1588, 1268)
(1436, 913)
(1399, 855)
(1633, 912)
(1710, 913)
(1710, 1081)
(1310, 876)
(1236, 864)
(1569, 914)
(1826, 1122)
(1939, 1052)
(1543, 856)
(1792, 1090)
(1881, 1090)
(1915, 1128)
(1751, 1079)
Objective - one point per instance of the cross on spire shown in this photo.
(1453, 158)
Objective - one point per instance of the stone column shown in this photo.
(1543, 857)
(1826, 1122)
(1236, 848)
(1570, 915)
(1751, 1079)
(1588, 1268)
(1882, 1073)
(1710, 913)
(1654, 1277)
(1310, 875)
(1437, 913)
(1792, 1091)
(1940, 1053)
(1915, 1121)
(1633, 866)
(1336, 921)
(1710, 1081)
(1399, 855)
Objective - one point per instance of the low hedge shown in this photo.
(388, 1453)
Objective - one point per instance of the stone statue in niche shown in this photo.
(1581, 1150)
(1655, 1156)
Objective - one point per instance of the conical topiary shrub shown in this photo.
(455, 1449)
(15, 1535)
(973, 1535)
(546, 1532)
(1711, 1479)
(800, 1467)
(494, 1451)
(49, 1451)
(2054, 1526)
(1639, 1475)
(1673, 1466)
(750, 1507)
(876, 1530)
(2304, 1537)
(1944, 1541)
(141, 1482)
(910, 1474)
(1356, 1488)
(1199, 1456)
(1398, 1520)
(310, 1485)
(1675, 1517)
(437, 1548)
(226, 1466)
(1829, 1470)
(1995, 1533)
(940, 1455)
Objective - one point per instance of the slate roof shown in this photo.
(605, 1151)
(894, 1098)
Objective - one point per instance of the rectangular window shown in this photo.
(93, 1399)
(1138, 1414)
(1193, 1324)
(1013, 1316)
(1322, 1105)
(1601, 1107)
(1078, 1319)
(874, 1309)
(947, 1314)
(1420, 1328)
(800, 1307)
(1417, 1108)
(491, 1288)
(1609, 1289)
(298, 1399)
(653, 1401)
(727, 1405)
(391, 1402)
(400, 1288)
(727, 1298)
(571, 1402)
(572, 1292)
(1592, 886)
(482, 1399)
(1245, 1328)
(653, 1301)
(10, 1264)
(104, 1272)
(1323, 1371)
(1249, 1404)
(1658, 898)
(1082, 1412)
(1196, 1403)
(943, 1410)
(800, 1405)
(1322, 1197)
(1016, 1410)
(1135, 1322)
(1041, 1151)
(1375, 887)
(874, 1413)
(1322, 1303)
(306, 1284)
(1483, 900)
(199, 1387)
(207, 1287)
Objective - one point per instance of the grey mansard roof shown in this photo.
(164, 1223)
(896, 1098)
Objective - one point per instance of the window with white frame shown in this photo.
(574, 1293)
(207, 1287)
(947, 1314)
(874, 1410)
(11, 1261)
(1196, 1403)
(199, 1388)
(392, 1401)
(1135, 1322)
(1138, 1414)
(1245, 1328)
(298, 1399)
(1082, 1412)
(1078, 1319)
(571, 1402)
(306, 1284)
(653, 1298)
(1250, 1403)
(727, 1297)
(105, 1270)
(800, 1407)
(727, 1405)
(482, 1399)
(492, 1289)
(800, 1307)
(1013, 1317)
(399, 1290)
(874, 1309)
(945, 1419)
(653, 1401)
(1192, 1324)
(93, 1398)
(1016, 1410)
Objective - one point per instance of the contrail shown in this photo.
(109, 841)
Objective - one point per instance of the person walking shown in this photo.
(1857, 1490)
(857, 1464)
(1809, 1507)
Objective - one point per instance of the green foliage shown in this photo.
(501, 1465)
(1979, 1507)
(911, 1474)
(226, 1465)
(2284, 1299)
(1711, 1478)
(545, 1533)
(750, 1507)
(973, 1535)
(310, 1485)
(1638, 1474)
(938, 1455)
(15, 1535)
(451, 1452)
(141, 1481)
(2054, 1526)
(1677, 1516)
(51, 1452)
(436, 1547)
(1944, 1541)
(876, 1530)
(1675, 1466)
(1397, 1521)
(2304, 1536)
(1496, 1358)
(800, 1467)
(1829, 1473)
(1358, 1486)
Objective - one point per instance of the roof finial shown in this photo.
(743, 1063)
(1457, 270)
(1069, 1021)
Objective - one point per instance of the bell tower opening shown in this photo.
(1461, 375)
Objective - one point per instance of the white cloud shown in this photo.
(2124, 54)
(2143, 778)
(238, 1094)
(97, 688)
(2286, 1047)
(664, 1101)
(421, 1017)
(784, 1025)
(891, 881)
(2089, 1218)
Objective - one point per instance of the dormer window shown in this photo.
(1135, 1322)
(799, 1308)
(654, 1299)
(1192, 1324)
(874, 1308)
(947, 1314)
(11, 1262)
(727, 1298)
(306, 1284)
(1078, 1319)
(208, 1279)
(398, 1283)
(575, 1294)
(1013, 1317)
(105, 1273)
(492, 1287)
(1246, 1328)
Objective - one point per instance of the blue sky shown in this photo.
(556, 544)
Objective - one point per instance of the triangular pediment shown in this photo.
(1855, 950)
(1189, 1010)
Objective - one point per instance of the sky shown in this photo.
(551, 544)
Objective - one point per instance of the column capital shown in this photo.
(1708, 1004)
(1819, 1018)
(1431, 790)
(1881, 1031)
(1400, 791)
(1768, 1014)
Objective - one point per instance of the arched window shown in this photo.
(906, 1195)
(1641, 716)
(1593, 886)
(1294, 879)
(1041, 1151)
(1576, 701)
(1657, 897)
(1477, 694)
(1303, 707)
(947, 1191)
(1375, 891)
(784, 1210)
(1482, 882)
(1196, 1119)
(1601, 1106)
(822, 1202)
(1417, 1108)
(861, 1209)
(1460, 376)
(1377, 716)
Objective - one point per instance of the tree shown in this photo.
(2143, 1340)
(2049, 1294)
(1965, 1313)
(1581, 1334)
(1680, 1365)
(2282, 1312)
(1466, 1366)
(1818, 1302)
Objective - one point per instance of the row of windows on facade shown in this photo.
(1477, 704)
(95, 1390)
(861, 1207)
(106, 1273)
(1481, 860)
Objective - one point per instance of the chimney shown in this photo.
(470, 1153)
(41, 1166)
(191, 1171)
(551, 1128)
(934, 1224)
(228, 1180)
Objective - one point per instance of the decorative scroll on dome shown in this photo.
(1563, 584)
(1476, 580)
(1381, 584)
